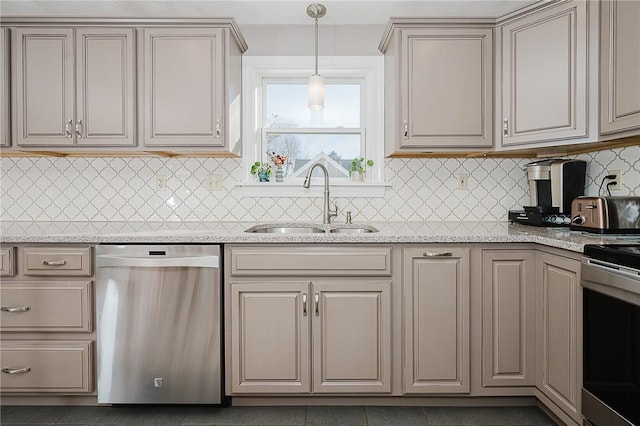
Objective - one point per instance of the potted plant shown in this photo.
(358, 168)
(263, 170)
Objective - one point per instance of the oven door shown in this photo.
(611, 327)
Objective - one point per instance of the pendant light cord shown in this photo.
(316, 46)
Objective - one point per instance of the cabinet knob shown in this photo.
(79, 128)
(505, 127)
(317, 304)
(406, 129)
(218, 131)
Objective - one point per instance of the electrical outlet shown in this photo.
(214, 182)
(161, 182)
(463, 181)
(617, 179)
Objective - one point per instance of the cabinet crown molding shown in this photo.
(230, 23)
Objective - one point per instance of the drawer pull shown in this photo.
(430, 254)
(16, 370)
(54, 262)
(317, 304)
(16, 309)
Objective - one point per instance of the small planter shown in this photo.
(264, 176)
(357, 176)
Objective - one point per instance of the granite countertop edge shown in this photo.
(234, 232)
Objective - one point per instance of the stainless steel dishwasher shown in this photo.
(158, 324)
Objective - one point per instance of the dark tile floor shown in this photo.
(200, 415)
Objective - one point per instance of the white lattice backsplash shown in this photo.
(124, 189)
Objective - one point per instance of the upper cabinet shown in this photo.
(5, 135)
(73, 87)
(544, 76)
(190, 96)
(438, 87)
(165, 84)
(619, 66)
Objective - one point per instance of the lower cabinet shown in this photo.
(47, 366)
(325, 336)
(47, 336)
(508, 318)
(436, 319)
(559, 332)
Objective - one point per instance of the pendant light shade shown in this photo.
(316, 81)
(316, 92)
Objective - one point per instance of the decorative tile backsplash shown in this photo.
(124, 189)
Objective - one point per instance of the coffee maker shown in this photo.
(553, 184)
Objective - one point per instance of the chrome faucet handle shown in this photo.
(348, 218)
(334, 212)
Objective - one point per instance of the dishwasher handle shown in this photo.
(106, 261)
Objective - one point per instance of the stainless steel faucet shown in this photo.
(327, 212)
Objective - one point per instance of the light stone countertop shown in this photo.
(233, 232)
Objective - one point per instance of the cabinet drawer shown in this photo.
(47, 366)
(45, 306)
(7, 260)
(56, 261)
(311, 261)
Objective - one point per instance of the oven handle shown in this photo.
(612, 267)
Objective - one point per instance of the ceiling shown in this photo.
(264, 12)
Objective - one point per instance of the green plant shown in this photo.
(259, 167)
(358, 164)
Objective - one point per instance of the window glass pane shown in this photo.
(287, 106)
(301, 150)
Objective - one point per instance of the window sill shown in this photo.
(282, 189)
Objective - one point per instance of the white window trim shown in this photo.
(257, 68)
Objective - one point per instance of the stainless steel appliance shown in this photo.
(553, 184)
(611, 335)
(605, 215)
(158, 324)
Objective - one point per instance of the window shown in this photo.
(333, 136)
(277, 120)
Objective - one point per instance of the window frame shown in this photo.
(260, 70)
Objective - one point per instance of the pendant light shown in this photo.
(316, 81)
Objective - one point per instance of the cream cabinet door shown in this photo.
(351, 337)
(43, 86)
(508, 318)
(270, 337)
(619, 66)
(559, 332)
(182, 81)
(5, 134)
(105, 87)
(446, 88)
(436, 309)
(544, 72)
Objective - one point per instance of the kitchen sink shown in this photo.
(350, 230)
(271, 229)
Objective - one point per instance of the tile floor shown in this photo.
(338, 416)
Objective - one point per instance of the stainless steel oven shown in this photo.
(611, 328)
